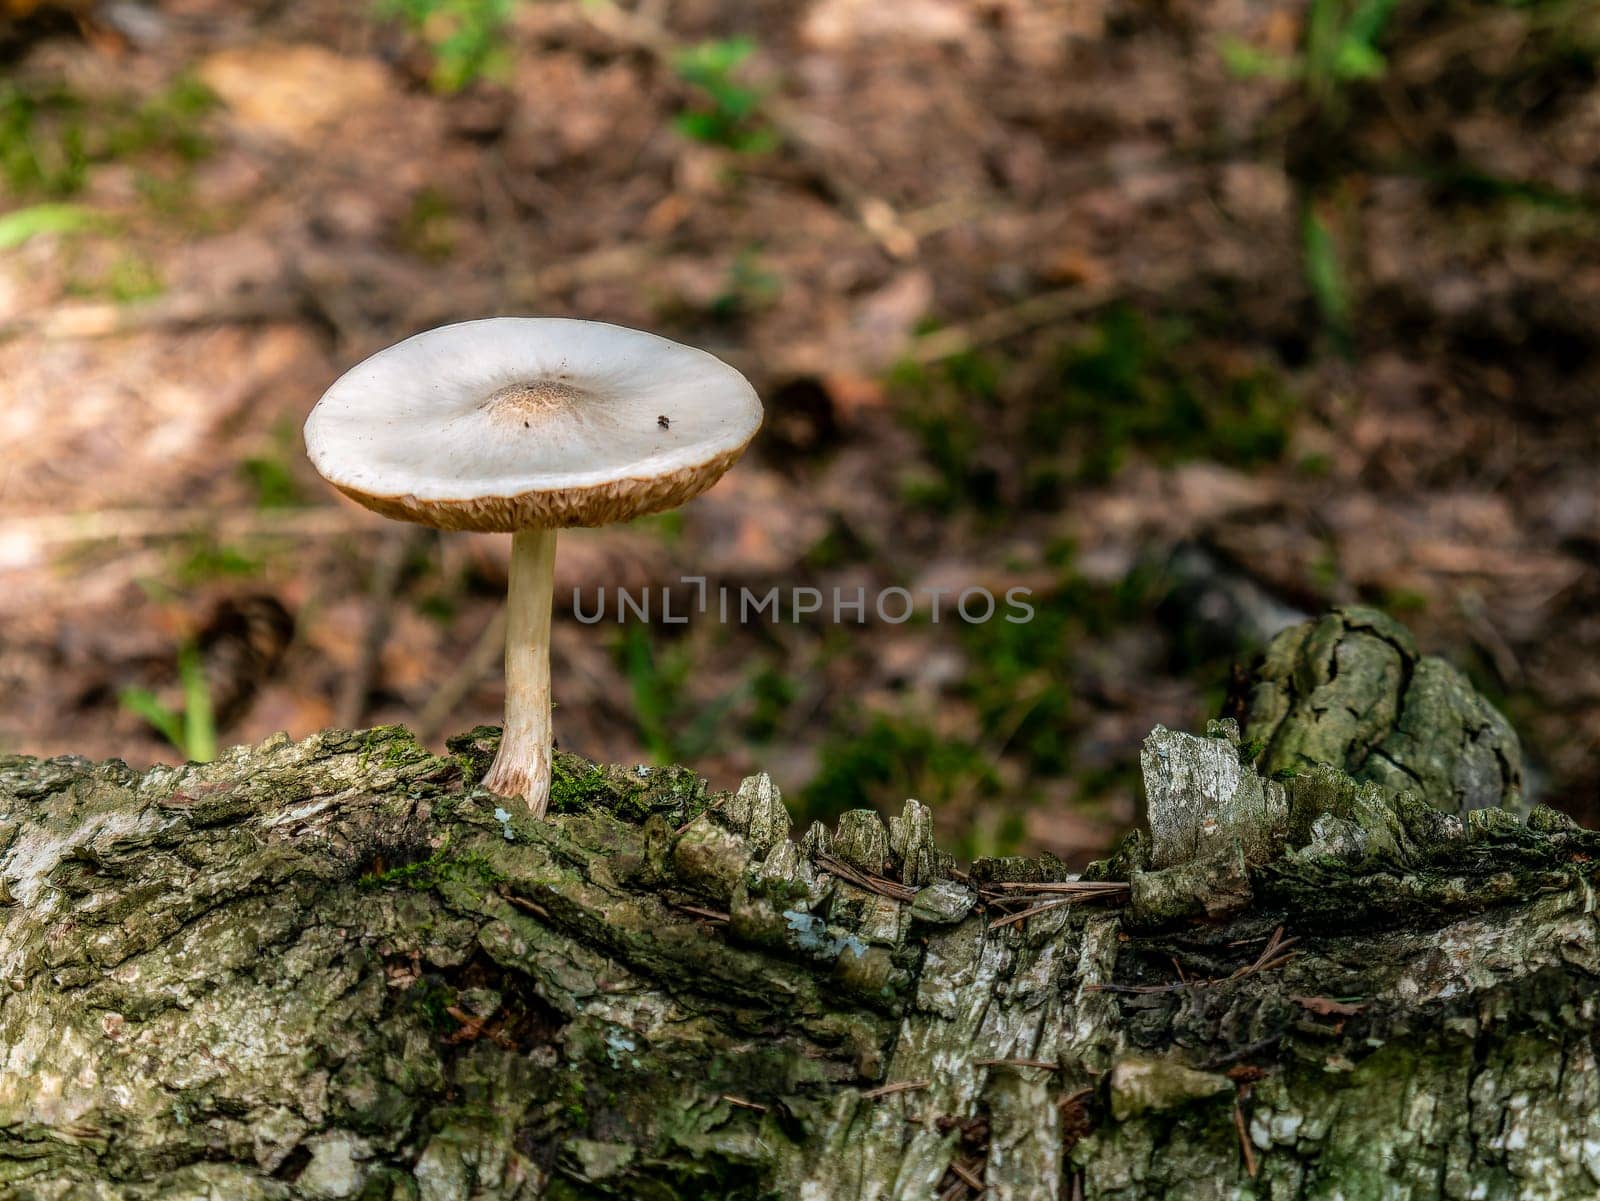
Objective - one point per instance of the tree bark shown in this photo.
(338, 969)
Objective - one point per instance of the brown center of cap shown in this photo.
(533, 399)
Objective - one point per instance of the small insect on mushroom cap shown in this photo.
(664, 422)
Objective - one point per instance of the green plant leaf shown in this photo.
(143, 704)
(466, 37)
(199, 724)
(727, 112)
(1245, 61)
(709, 63)
(193, 732)
(1358, 60)
(1368, 22)
(23, 225)
(1324, 274)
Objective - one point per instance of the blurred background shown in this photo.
(1192, 316)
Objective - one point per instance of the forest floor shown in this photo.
(1189, 317)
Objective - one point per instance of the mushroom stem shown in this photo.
(522, 768)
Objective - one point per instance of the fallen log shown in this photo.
(337, 968)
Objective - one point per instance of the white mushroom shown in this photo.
(525, 425)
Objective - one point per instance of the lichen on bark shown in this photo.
(339, 969)
(1351, 690)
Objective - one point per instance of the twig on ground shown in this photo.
(881, 885)
(480, 661)
(1066, 892)
(1238, 1053)
(1144, 990)
(1048, 1064)
(711, 915)
(178, 311)
(1245, 1149)
(1022, 915)
(523, 903)
(1072, 887)
(888, 1090)
(970, 1178)
(1274, 955)
(473, 1028)
(1074, 1098)
(393, 551)
(999, 324)
(741, 1103)
(123, 525)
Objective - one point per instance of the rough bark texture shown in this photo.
(1352, 690)
(336, 968)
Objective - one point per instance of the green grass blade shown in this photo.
(144, 705)
(199, 723)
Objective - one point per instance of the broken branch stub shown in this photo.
(1200, 799)
(1350, 690)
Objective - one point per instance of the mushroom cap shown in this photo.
(513, 423)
